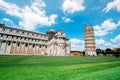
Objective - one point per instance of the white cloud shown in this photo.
(116, 39)
(71, 6)
(67, 20)
(115, 4)
(11, 9)
(77, 44)
(30, 16)
(106, 27)
(8, 22)
(102, 44)
(96, 8)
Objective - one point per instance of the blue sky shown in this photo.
(70, 15)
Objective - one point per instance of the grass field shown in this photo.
(59, 68)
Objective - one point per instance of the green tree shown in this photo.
(99, 51)
(108, 50)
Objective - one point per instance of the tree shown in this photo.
(83, 52)
(99, 51)
(108, 50)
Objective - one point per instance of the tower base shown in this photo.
(90, 53)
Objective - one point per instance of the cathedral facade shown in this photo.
(22, 42)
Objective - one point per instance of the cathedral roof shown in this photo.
(51, 30)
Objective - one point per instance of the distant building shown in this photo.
(78, 53)
(116, 49)
(90, 48)
(22, 42)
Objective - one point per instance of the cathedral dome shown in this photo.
(51, 30)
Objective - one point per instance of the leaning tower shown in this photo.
(90, 48)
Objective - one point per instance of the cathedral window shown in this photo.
(9, 43)
(7, 36)
(4, 36)
(27, 33)
(36, 40)
(1, 35)
(10, 30)
(37, 35)
(3, 29)
(18, 44)
(17, 37)
(12, 37)
(33, 45)
(39, 46)
(26, 45)
(17, 31)
(0, 44)
(23, 32)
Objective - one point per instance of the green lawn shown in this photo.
(59, 68)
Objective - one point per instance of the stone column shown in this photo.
(20, 49)
(27, 52)
(11, 50)
(5, 46)
(28, 48)
(15, 48)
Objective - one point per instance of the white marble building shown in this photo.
(22, 42)
(90, 48)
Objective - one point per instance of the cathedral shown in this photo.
(16, 41)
